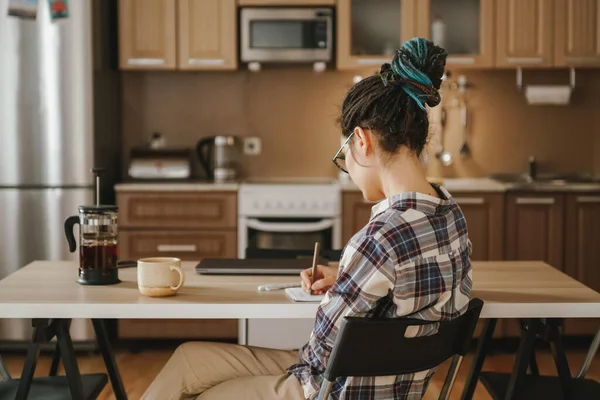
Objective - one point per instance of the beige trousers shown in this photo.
(220, 371)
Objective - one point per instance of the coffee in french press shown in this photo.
(98, 244)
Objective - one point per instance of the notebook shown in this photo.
(299, 295)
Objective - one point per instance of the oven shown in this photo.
(284, 34)
(286, 215)
(289, 217)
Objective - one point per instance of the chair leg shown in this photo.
(482, 347)
(326, 387)
(522, 360)
(109, 359)
(590, 356)
(69, 360)
(450, 378)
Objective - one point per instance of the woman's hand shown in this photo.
(324, 279)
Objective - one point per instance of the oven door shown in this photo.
(286, 34)
(287, 233)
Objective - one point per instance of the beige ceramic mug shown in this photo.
(159, 276)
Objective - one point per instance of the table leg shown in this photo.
(590, 356)
(109, 359)
(533, 367)
(560, 359)
(43, 329)
(67, 354)
(28, 370)
(56, 356)
(482, 347)
(523, 358)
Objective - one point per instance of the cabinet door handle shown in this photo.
(536, 200)
(206, 61)
(146, 61)
(588, 199)
(372, 61)
(460, 60)
(469, 200)
(183, 248)
(525, 60)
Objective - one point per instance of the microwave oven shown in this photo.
(286, 34)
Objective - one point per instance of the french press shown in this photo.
(97, 240)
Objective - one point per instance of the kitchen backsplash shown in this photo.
(294, 112)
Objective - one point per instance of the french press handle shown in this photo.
(69, 226)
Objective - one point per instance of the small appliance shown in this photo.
(160, 163)
(220, 157)
(286, 34)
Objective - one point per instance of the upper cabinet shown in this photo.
(207, 34)
(524, 33)
(369, 33)
(465, 28)
(178, 34)
(147, 34)
(577, 33)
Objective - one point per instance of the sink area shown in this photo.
(524, 180)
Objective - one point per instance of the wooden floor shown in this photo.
(138, 369)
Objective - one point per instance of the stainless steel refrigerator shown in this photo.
(58, 118)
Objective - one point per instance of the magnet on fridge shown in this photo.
(58, 9)
(23, 8)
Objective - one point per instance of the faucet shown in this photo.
(532, 168)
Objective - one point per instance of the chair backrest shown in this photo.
(378, 347)
(326, 254)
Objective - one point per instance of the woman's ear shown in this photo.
(364, 140)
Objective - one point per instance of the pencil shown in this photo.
(314, 266)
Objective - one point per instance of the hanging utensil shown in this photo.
(464, 150)
(444, 155)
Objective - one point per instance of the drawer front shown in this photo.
(186, 245)
(178, 329)
(177, 210)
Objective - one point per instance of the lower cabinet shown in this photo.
(187, 225)
(356, 212)
(582, 251)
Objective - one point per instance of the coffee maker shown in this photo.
(220, 157)
(97, 240)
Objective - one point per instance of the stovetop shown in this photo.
(290, 181)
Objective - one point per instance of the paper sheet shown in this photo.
(299, 295)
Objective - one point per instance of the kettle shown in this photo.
(97, 241)
(219, 156)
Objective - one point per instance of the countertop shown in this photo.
(453, 185)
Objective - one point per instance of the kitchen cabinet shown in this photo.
(582, 258)
(286, 2)
(186, 225)
(469, 30)
(577, 33)
(356, 212)
(534, 231)
(369, 33)
(524, 33)
(147, 36)
(484, 214)
(534, 227)
(207, 34)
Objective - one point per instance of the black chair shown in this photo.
(325, 254)
(519, 385)
(355, 353)
(52, 387)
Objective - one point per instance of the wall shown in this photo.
(294, 112)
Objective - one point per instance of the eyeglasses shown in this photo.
(340, 157)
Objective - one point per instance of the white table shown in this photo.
(48, 290)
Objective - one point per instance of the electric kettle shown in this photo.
(220, 157)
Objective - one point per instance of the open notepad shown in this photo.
(298, 294)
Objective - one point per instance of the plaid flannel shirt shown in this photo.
(412, 260)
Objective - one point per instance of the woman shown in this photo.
(410, 260)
